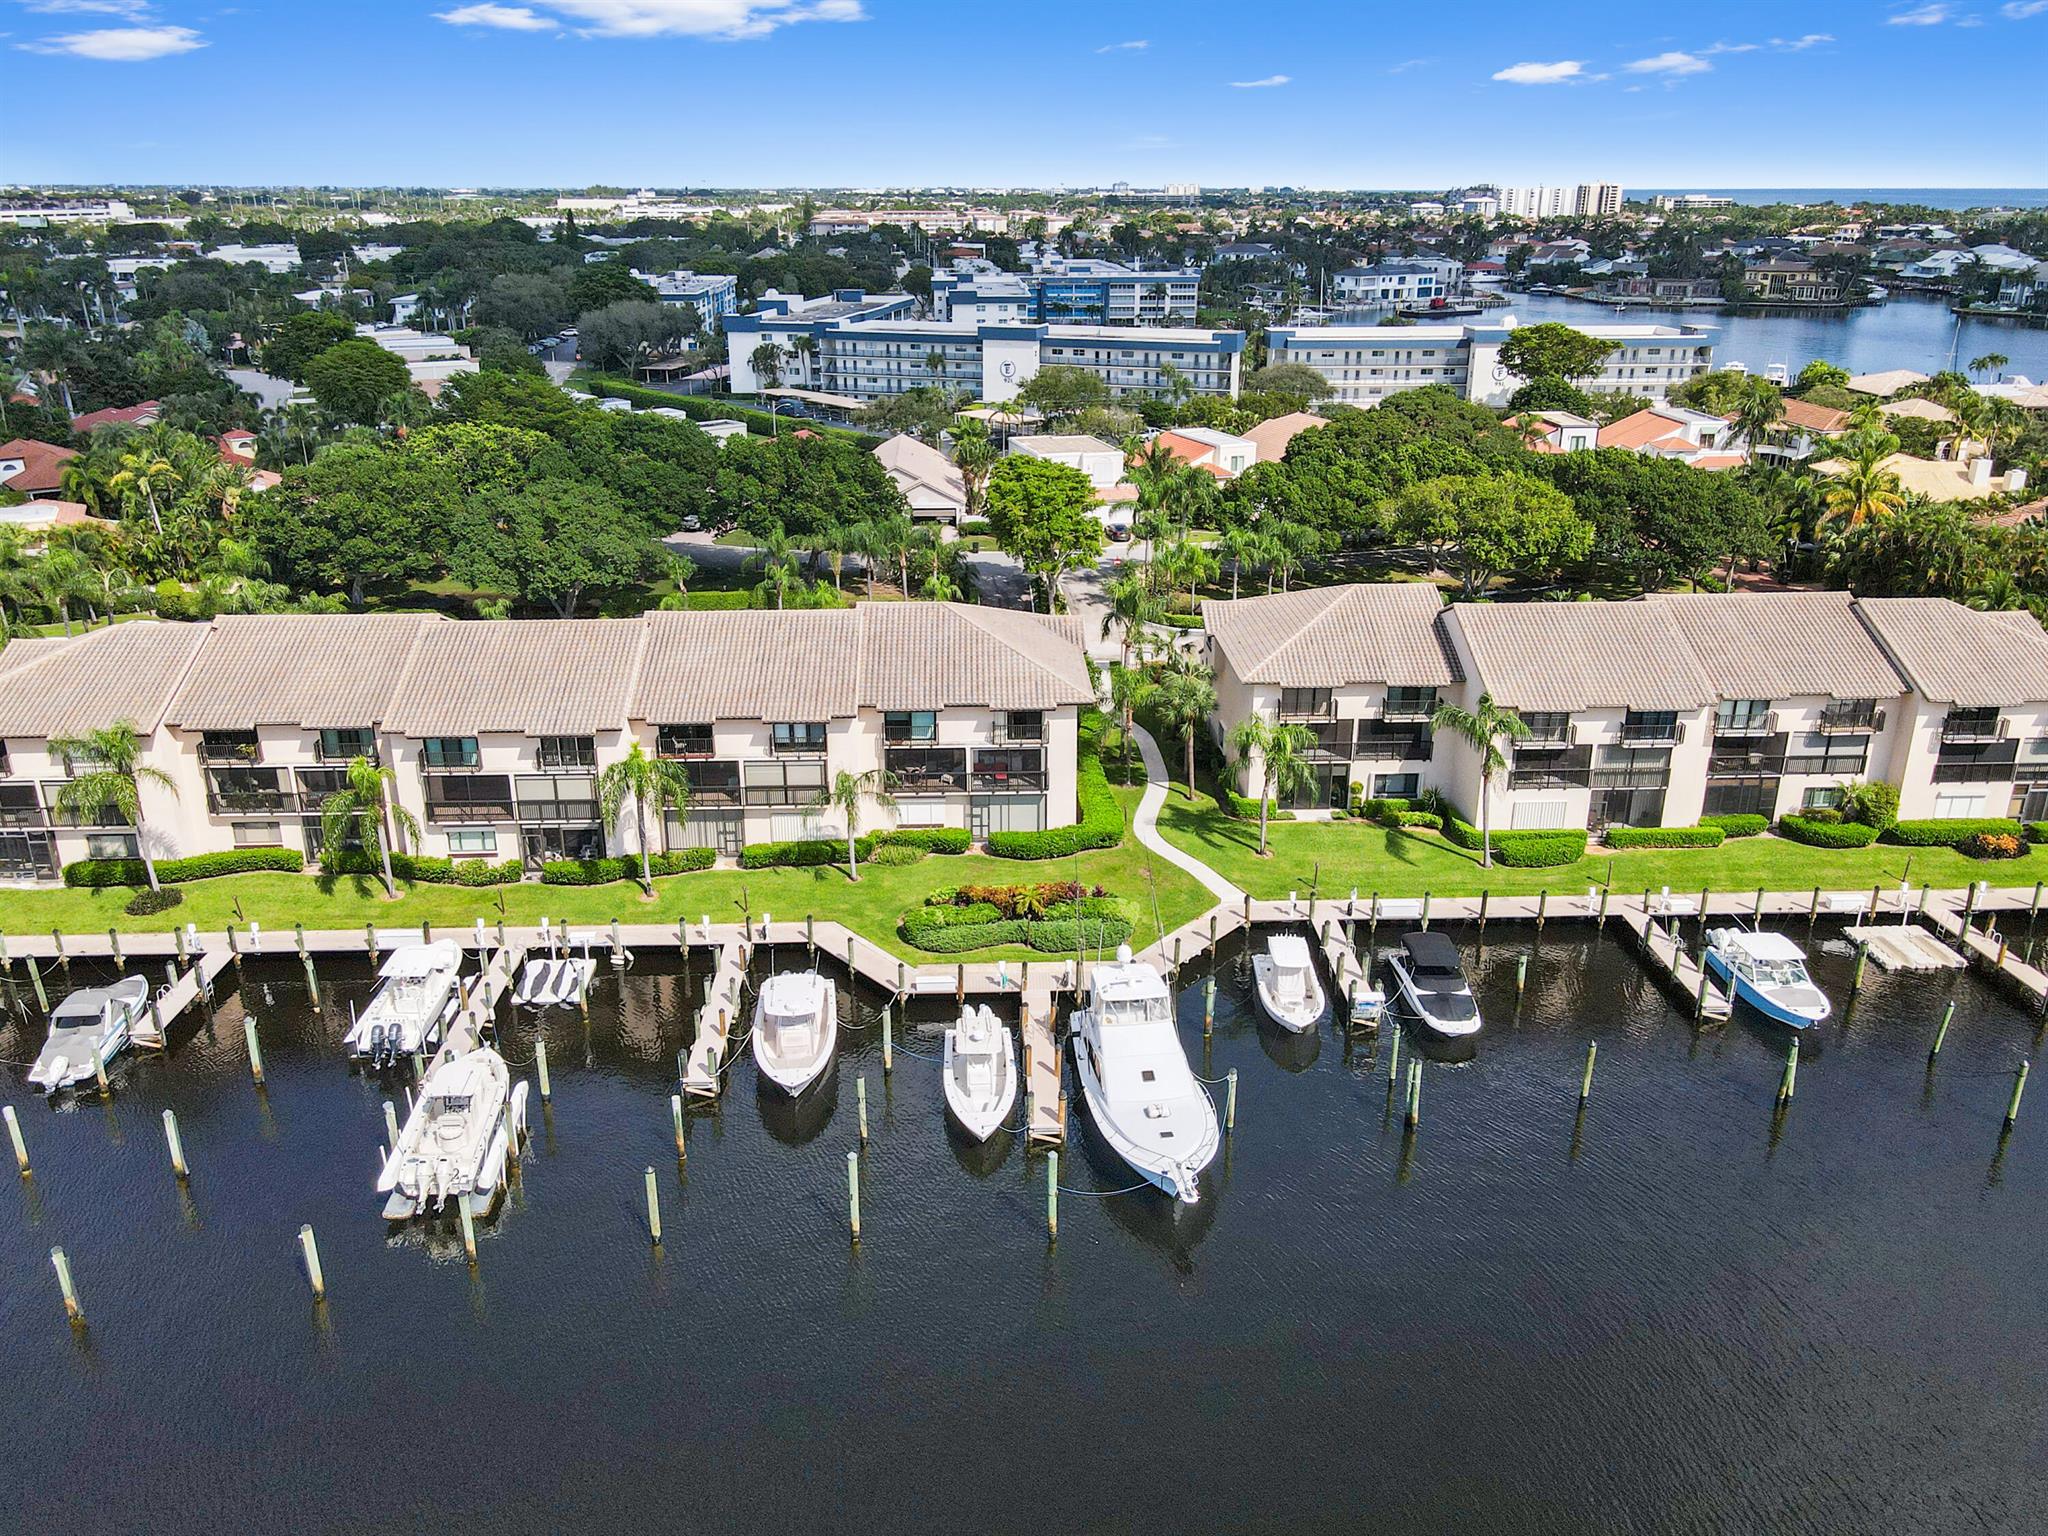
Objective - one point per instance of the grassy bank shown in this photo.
(870, 907)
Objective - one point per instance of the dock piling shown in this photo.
(255, 1049)
(540, 1061)
(2019, 1086)
(99, 1072)
(1393, 1060)
(65, 1288)
(1862, 959)
(1521, 973)
(1788, 1082)
(391, 1124)
(1542, 906)
(888, 1042)
(1941, 1034)
(14, 1135)
(1483, 895)
(1230, 1101)
(1209, 1005)
(860, 1087)
(853, 1194)
(114, 942)
(176, 1144)
(1586, 1082)
(1052, 1196)
(35, 977)
(675, 1114)
(309, 1250)
(653, 1209)
(467, 1218)
(1414, 1119)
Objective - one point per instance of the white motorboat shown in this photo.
(1289, 990)
(1137, 1081)
(416, 995)
(1768, 972)
(1433, 984)
(454, 1144)
(92, 1022)
(980, 1066)
(796, 1029)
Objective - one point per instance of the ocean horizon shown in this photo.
(1955, 199)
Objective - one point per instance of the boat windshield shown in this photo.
(453, 1103)
(1777, 973)
(1136, 1010)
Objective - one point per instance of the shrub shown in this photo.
(957, 940)
(1099, 933)
(1663, 837)
(1428, 819)
(930, 839)
(891, 855)
(1737, 823)
(1181, 620)
(1870, 801)
(1245, 808)
(1528, 848)
(719, 602)
(484, 872)
(418, 869)
(800, 854)
(97, 874)
(623, 867)
(1102, 818)
(1950, 833)
(698, 409)
(147, 903)
(1379, 809)
(1824, 815)
(1826, 834)
(1993, 845)
(2036, 831)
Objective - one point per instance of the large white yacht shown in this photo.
(1137, 1081)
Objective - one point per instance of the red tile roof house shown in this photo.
(142, 415)
(32, 468)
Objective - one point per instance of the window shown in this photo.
(1970, 725)
(1011, 769)
(1753, 796)
(1850, 715)
(1410, 703)
(568, 752)
(1742, 717)
(1396, 786)
(1029, 725)
(112, 845)
(774, 783)
(473, 840)
(341, 746)
(910, 725)
(450, 751)
(228, 747)
(682, 740)
(259, 834)
(557, 798)
(1547, 725)
(1837, 756)
(1621, 768)
(1644, 726)
(239, 791)
(1821, 798)
(483, 797)
(800, 736)
(1951, 807)
(1299, 703)
(713, 783)
(927, 770)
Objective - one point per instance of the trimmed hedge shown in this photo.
(1738, 823)
(718, 602)
(625, 866)
(1091, 923)
(98, 874)
(2036, 831)
(1244, 808)
(417, 869)
(1528, 848)
(1102, 818)
(1429, 819)
(1663, 837)
(1949, 834)
(810, 852)
(1826, 834)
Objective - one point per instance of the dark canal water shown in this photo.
(1682, 1315)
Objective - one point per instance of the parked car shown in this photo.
(692, 523)
(1119, 532)
(568, 331)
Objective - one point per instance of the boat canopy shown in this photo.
(90, 1005)
(793, 995)
(413, 961)
(1289, 951)
(1432, 952)
(1765, 946)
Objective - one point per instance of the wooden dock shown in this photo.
(1669, 962)
(172, 999)
(704, 1068)
(1905, 947)
(1042, 1060)
(1347, 972)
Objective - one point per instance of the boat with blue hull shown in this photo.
(1767, 971)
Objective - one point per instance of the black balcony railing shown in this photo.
(229, 752)
(471, 810)
(252, 802)
(323, 753)
(1008, 783)
(558, 811)
(23, 816)
(1972, 728)
(1856, 715)
(1652, 733)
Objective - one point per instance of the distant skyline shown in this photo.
(745, 93)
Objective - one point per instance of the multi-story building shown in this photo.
(1593, 199)
(1367, 363)
(714, 295)
(855, 351)
(496, 732)
(1394, 282)
(1076, 290)
(1654, 712)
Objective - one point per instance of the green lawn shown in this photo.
(1335, 856)
(870, 907)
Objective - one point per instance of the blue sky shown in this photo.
(1328, 93)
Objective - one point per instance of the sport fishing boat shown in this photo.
(1768, 972)
(796, 1029)
(455, 1140)
(1137, 1081)
(416, 995)
(92, 1023)
(1432, 982)
(1289, 990)
(980, 1065)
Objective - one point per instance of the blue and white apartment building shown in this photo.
(1366, 363)
(1081, 291)
(867, 348)
(714, 295)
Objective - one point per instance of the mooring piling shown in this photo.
(468, 1222)
(860, 1087)
(1052, 1196)
(1521, 973)
(14, 1135)
(65, 1288)
(653, 1209)
(1788, 1081)
(853, 1193)
(1393, 1058)
(1414, 1117)
(1209, 1005)
(391, 1124)
(540, 1062)
(177, 1145)
(1586, 1081)
(255, 1049)
(675, 1113)
(309, 1250)
(1941, 1034)
(888, 1043)
(2019, 1086)
(35, 977)
(1230, 1101)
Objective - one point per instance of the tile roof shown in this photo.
(1805, 416)
(123, 672)
(1275, 433)
(1783, 645)
(119, 415)
(42, 464)
(1917, 409)
(826, 664)
(1572, 656)
(1887, 383)
(537, 677)
(1332, 637)
(314, 671)
(1956, 655)
(911, 463)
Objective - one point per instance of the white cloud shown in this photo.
(1728, 48)
(1136, 46)
(1929, 15)
(127, 10)
(1672, 63)
(120, 45)
(729, 19)
(1405, 65)
(1800, 44)
(1563, 71)
(1260, 85)
(2020, 10)
(511, 18)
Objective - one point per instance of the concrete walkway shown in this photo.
(1146, 823)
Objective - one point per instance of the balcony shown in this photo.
(1008, 783)
(1747, 729)
(442, 812)
(1652, 733)
(216, 749)
(1028, 733)
(342, 756)
(1306, 710)
(1972, 727)
(251, 802)
(1378, 744)
(1850, 717)
(1973, 771)
(23, 815)
(558, 812)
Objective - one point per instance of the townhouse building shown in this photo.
(1366, 363)
(1653, 712)
(496, 732)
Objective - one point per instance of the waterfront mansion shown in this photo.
(1653, 712)
(496, 731)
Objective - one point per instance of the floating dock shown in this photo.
(1905, 947)
(1347, 972)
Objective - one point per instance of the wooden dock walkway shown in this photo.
(1671, 964)
(172, 999)
(1348, 975)
(1047, 1125)
(704, 1067)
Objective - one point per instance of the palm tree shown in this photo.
(1483, 729)
(1187, 697)
(775, 559)
(1990, 362)
(1865, 488)
(1242, 547)
(1132, 605)
(363, 811)
(83, 480)
(975, 454)
(846, 791)
(935, 366)
(144, 473)
(1275, 754)
(1128, 689)
(656, 782)
(1760, 409)
(115, 773)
